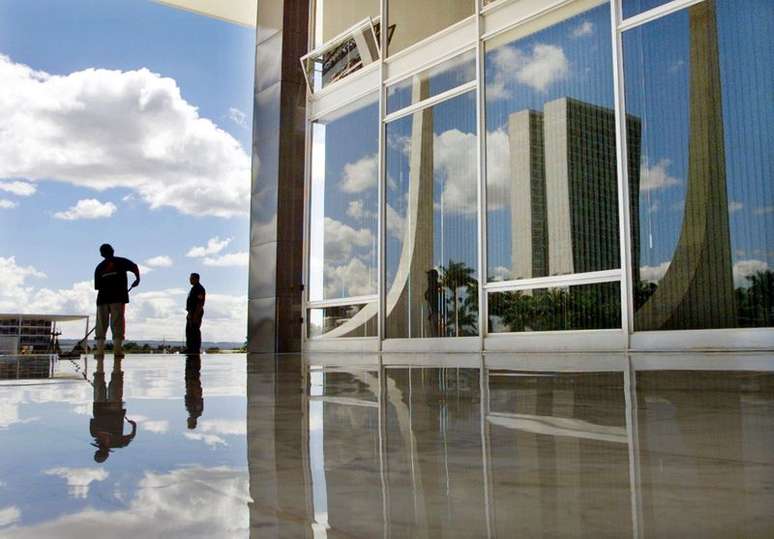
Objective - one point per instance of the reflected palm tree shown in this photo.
(455, 276)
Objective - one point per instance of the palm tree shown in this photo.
(455, 276)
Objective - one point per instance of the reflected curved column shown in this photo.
(697, 291)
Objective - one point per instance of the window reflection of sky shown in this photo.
(657, 71)
(569, 59)
(344, 202)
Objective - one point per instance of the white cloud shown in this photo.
(159, 262)
(213, 247)
(150, 315)
(586, 28)
(501, 273)
(237, 260)
(210, 439)
(360, 175)
(341, 240)
(79, 479)
(160, 426)
(395, 223)
(356, 210)
(21, 189)
(657, 176)
(351, 279)
(454, 156)
(747, 268)
(9, 515)
(238, 117)
(653, 274)
(226, 427)
(103, 129)
(7, 204)
(734, 206)
(186, 502)
(538, 69)
(89, 208)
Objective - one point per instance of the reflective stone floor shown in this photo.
(413, 446)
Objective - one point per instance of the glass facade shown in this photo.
(528, 189)
(431, 220)
(334, 17)
(705, 227)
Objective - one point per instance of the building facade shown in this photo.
(512, 175)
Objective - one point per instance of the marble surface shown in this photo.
(326, 446)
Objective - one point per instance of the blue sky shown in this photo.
(211, 62)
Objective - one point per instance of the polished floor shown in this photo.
(350, 446)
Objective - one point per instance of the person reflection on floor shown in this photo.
(107, 425)
(194, 398)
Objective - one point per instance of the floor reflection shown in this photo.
(508, 447)
(330, 446)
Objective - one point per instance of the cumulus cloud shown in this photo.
(586, 28)
(342, 239)
(454, 156)
(352, 279)
(747, 268)
(396, 224)
(79, 479)
(656, 176)
(7, 204)
(9, 515)
(103, 129)
(653, 274)
(21, 189)
(537, 68)
(360, 175)
(186, 502)
(356, 209)
(210, 439)
(238, 117)
(213, 247)
(501, 273)
(89, 208)
(159, 262)
(155, 314)
(231, 260)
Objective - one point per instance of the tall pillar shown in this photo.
(277, 200)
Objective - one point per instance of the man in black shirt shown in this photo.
(195, 307)
(112, 297)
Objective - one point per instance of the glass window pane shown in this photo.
(700, 83)
(440, 78)
(431, 213)
(351, 53)
(631, 8)
(411, 21)
(342, 321)
(592, 306)
(552, 196)
(332, 17)
(343, 216)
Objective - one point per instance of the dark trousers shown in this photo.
(193, 336)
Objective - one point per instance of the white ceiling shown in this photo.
(237, 11)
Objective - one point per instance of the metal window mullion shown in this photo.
(653, 14)
(339, 302)
(575, 279)
(382, 192)
(305, 242)
(622, 164)
(483, 317)
(431, 101)
(430, 64)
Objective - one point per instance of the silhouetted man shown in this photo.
(112, 297)
(195, 307)
(107, 425)
(194, 396)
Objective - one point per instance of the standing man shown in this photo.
(112, 297)
(195, 307)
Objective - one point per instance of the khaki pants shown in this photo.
(112, 314)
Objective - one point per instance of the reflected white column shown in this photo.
(485, 455)
(317, 456)
(630, 396)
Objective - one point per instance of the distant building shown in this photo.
(32, 333)
(564, 159)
